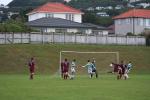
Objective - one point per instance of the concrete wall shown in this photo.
(10, 38)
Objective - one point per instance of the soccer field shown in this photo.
(45, 87)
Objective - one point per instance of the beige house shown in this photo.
(134, 21)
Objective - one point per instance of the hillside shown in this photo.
(14, 58)
(30, 3)
(75, 3)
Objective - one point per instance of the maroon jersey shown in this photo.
(123, 68)
(65, 66)
(116, 67)
(31, 66)
(119, 70)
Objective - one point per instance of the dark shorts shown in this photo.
(65, 71)
(31, 70)
(94, 70)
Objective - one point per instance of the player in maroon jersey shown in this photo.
(119, 75)
(65, 68)
(31, 65)
(123, 68)
(114, 67)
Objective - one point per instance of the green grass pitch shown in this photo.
(15, 83)
(46, 87)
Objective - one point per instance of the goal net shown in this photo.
(103, 59)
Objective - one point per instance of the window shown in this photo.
(128, 21)
(139, 21)
(118, 21)
(82, 31)
(60, 30)
(70, 17)
(48, 15)
(148, 22)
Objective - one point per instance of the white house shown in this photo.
(60, 18)
(134, 21)
(56, 10)
(133, 0)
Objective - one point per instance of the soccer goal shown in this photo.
(103, 59)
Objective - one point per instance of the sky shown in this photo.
(5, 2)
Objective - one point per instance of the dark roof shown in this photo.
(56, 22)
(95, 26)
(111, 29)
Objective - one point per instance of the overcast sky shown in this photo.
(5, 2)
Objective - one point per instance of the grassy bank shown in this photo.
(13, 58)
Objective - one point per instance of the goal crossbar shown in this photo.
(117, 54)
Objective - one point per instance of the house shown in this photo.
(97, 30)
(59, 25)
(102, 14)
(133, 0)
(56, 10)
(12, 13)
(57, 17)
(111, 29)
(144, 5)
(90, 9)
(133, 21)
(67, 0)
(119, 7)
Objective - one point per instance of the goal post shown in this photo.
(80, 55)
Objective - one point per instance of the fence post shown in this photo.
(106, 39)
(42, 37)
(53, 38)
(75, 38)
(29, 37)
(12, 37)
(21, 38)
(64, 38)
(96, 38)
(5, 37)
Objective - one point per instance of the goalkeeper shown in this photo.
(94, 67)
(73, 69)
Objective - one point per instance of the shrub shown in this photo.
(130, 34)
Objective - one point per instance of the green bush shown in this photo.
(13, 26)
(130, 34)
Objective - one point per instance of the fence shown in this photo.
(12, 38)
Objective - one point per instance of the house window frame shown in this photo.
(70, 17)
(49, 15)
(119, 21)
(128, 21)
(148, 22)
(60, 30)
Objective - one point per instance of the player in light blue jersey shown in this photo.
(129, 66)
(89, 67)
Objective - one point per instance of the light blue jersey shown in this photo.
(89, 67)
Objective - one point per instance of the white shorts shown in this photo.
(126, 75)
(73, 70)
(90, 70)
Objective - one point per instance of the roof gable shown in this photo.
(55, 8)
(134, 13)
